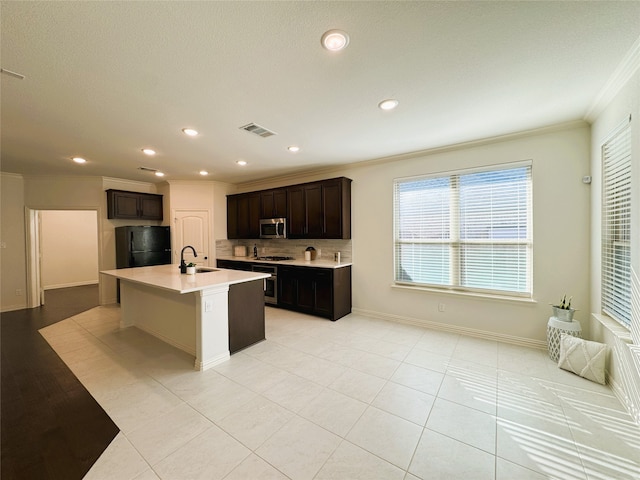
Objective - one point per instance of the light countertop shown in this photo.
(168, 277)
(298, 262)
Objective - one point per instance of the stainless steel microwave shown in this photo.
(273, 228)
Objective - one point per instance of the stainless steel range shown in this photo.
(271, 283)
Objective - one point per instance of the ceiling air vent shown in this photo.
(258, 130)
(147, 169)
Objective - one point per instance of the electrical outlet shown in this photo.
(18, 292)
(208, 306)
(441, 307)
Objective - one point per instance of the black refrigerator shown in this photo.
(142, 246)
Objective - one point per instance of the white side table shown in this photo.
(555, 329)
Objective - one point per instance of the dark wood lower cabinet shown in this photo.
(324, 292)
(246, 315)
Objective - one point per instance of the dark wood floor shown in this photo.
(52, 428)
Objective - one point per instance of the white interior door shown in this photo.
(191, 227)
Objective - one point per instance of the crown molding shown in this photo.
(125, 182)
(629, 65)
(342, 169)
(212, 183)
(475, 143)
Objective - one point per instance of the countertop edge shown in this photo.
(329, 264)
(154, 283)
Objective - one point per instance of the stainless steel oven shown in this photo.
(270, 284)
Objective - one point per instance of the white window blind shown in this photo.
(465, 231)
(616, 226)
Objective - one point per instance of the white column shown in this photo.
(212, 327)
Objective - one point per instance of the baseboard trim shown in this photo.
(13, 308)
(470, 332)
(72, 284)
(201, 366)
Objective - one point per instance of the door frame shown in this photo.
(35, 292)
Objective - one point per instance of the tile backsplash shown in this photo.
(292, 248)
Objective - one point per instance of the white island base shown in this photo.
(190, 312)
(196, 322)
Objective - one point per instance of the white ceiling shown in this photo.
(105, 79)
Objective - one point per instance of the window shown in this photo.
(465, 230)
(616, 226)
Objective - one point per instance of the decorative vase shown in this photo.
(191, 270)
(563, 313)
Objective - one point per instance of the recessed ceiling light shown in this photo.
(79, 160)
(335, 40)
(148, 151)
(159, 174)
(242, 163)
(293, 148)
(388, 104)
(204, 172)
(190, 131)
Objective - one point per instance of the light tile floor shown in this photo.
(359, 398)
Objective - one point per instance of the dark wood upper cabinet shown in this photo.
(243, 215)
(296, 214)
(151, 207)
(336, 198)
(232, 217)
(320, 209)
(273, 203)
(133, 205)
(313, 210)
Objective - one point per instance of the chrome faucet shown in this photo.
(183, 266)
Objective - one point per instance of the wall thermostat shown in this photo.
(586, 179)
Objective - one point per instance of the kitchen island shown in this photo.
(195, 313)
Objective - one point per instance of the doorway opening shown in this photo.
(62, 251)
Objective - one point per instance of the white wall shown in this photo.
(69, 248)
(624, 361)
(560, 237)
(201, 196)
(13, 271)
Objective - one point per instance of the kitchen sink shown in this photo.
(205, 270)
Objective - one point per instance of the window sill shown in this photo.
(619, 331)
(482, 296)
